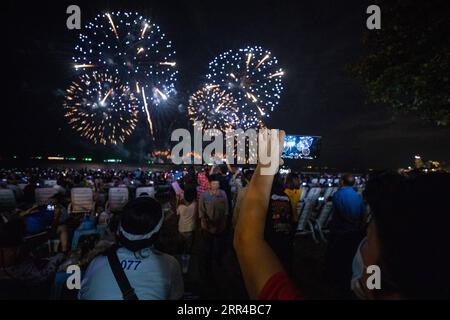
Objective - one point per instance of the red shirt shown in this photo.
(202, 181)
(280, 287)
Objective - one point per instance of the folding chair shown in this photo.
(80, 234)
(313, 194)
(323, 218)
(304, 193)
(50, 183)
(7, 199)
(300, 206)
(304, 220)
(43, 195)
(38, 240)
(18, 193)
(82, 201)
(149, 190)
(329, 192)
(117, 199)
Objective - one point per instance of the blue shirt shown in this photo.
(349, 210)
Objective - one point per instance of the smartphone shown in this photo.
(50, 207)
(176, 187)
(301, 147)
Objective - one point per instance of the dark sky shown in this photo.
(313, 40)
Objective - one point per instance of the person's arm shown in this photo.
(177, 201)
(257, 260)
(234, 172)
(27, 212)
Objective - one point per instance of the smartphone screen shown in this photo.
(301, 147)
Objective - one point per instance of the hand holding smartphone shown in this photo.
(301, 147)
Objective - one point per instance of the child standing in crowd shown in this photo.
(187, 212)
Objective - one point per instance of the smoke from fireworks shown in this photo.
(101, 108)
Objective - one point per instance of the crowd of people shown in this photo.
(222, 214)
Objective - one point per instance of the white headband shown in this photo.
(136, 237)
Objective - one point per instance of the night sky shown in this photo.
(314, 41)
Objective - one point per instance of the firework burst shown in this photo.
(101, 108)
(134, 49)
(252, 78)
(131, 47)
(214, 108)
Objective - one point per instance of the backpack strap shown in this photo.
(121, 278)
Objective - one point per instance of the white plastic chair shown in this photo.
(22, 186)
(18, 193)
(49, 183)
(304, 220)
(323, 218)
(329, 192)
(313, 194)
(42, 195)
(117, 199)
(304, 193)
(82, 201)
(149, 190)
(7, 199)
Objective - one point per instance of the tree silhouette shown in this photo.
(407, 62)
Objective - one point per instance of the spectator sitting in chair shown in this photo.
(135, 269)
(15, 263)
(50, 218)
(60, 216)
